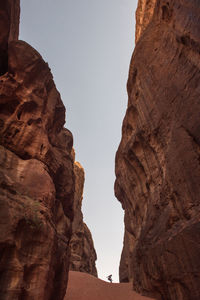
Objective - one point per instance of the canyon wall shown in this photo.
(83, 255)
(158, 159)
(37, 176)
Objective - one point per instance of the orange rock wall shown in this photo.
(83, 254)
(157, 163)
(144, 14)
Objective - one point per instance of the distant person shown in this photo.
(109, 278)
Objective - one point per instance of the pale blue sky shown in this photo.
(88, 45)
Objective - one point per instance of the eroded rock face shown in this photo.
(37, 179)
(157, 163)
(40, 185)
(83, 255)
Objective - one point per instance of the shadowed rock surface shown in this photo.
(83, 255)
(36, 180)
(158, 160)
(83, 286)
(37, 177)
(9, 24)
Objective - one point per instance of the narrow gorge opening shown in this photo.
(88, 48)
(46, 248)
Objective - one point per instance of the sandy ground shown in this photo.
(83, 286)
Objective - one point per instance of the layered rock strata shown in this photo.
(83, 255)
(158, 160)
(37, 178)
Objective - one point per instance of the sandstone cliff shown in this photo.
(83, 255)
(37, 178)
(158, 160)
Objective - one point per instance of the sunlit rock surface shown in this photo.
(158, 160)
(144, 14)
(83, 255)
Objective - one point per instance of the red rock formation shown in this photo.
(83, 255)
(157, 163)
(36, 173)
(37, 180)
(144, 14)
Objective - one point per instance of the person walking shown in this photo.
(109, 278)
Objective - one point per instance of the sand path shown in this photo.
(83, 286)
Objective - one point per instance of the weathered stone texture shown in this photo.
(37, 179)
(40, 186)
(125, 268)
(158, 160)
(83, 255)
